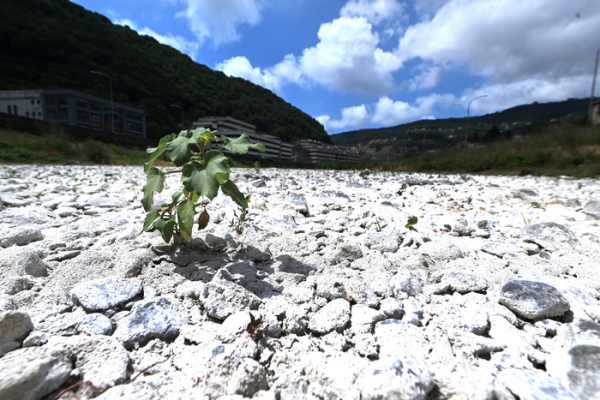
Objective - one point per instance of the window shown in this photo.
(9, 109)
(82, 104)
(27, 114)
(32, 101)
(15, 110)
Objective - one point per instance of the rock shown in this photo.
(14, 327)
(592, 208)
(32, 373)
(549, 235)
(533, 385)
(345, 311)
(223, 298)
(20, 236)
(335, 315)
(23, 262)
(102, 294)
(533, 300)
(297, 202)
(155, 318)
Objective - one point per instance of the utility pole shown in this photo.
(112, 104)
(468, 109)
(176, 106)
(591, 110)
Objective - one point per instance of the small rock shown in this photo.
(533, 300)
(104, 293)
(335, 315)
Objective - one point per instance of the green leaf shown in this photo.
(207, 136)
(412, 221)
(176, 196)
(202, 178)
(155, 152)
(166, 227)
(151, 217)
(230, 189)
(178, 149)
(155, 183)
(185, 217)
(241, 144)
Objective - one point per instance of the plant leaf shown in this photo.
(241, 144)
(155, 152)
(152, 216)
(178, 149)
(202, 178)
(155, 183)
(165, 227)
(185, 217)
(230, 189)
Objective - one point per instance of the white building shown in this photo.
(74, 108)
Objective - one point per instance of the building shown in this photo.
(304, 151)
(596, 113)
(74, 108)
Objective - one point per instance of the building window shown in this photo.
(27, 114)
(9, 109)
(32, 101)
(82, 104)
(15, 110)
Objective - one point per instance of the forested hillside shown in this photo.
(440, 132)
(52, 44)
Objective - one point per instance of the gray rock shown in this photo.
(75, 323)
(31, 373)
(14, 326)
(101, 360)
(501, 249)
(549, 235)
(406, 284)
(223, 298)
(18, 284)
(297, 202)
(20, 236)
(579, 369)
(107, 202)
(533, 385)
(533, 300)
(364, 318)
(155, 318)
(335, 315)
(436, 254)
(592, 208)
(391, 308)
(460, 282)
(379, 241)
(104, 293)
(22, 262)
(345, 252)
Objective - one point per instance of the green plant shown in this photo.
(203, 172)
(526, 221)
(256, 167)
(535, 204)
(379, 227)
(410, 224)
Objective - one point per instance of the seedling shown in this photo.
(535, 204)
(252, 327)
(526, 221)
(379, 227)
(410, 224)
(202, 171)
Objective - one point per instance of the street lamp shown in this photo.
(591, 110)
(468, 109)
(176, 106)
(112, 104)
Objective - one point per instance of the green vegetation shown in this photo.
(438, 133)
(56, 147)
(203, 172)
(560, 149)
(53, 44)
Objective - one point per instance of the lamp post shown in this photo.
(176, 106)
(112, 104)
(591, 110)
(468, 109)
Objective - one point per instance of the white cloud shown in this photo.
(271, 78)
(507, 40)
(177, 42)
(347, 58)
(428, 78)
(501, 96)
(375, 11)
(389, 112)
(220, 20)
(352, 118)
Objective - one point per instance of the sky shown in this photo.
(354, 64)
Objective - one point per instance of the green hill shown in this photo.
(52, 44)
(428, 134)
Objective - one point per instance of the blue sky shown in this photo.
(354, 64)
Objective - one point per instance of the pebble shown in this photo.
(347, 302)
